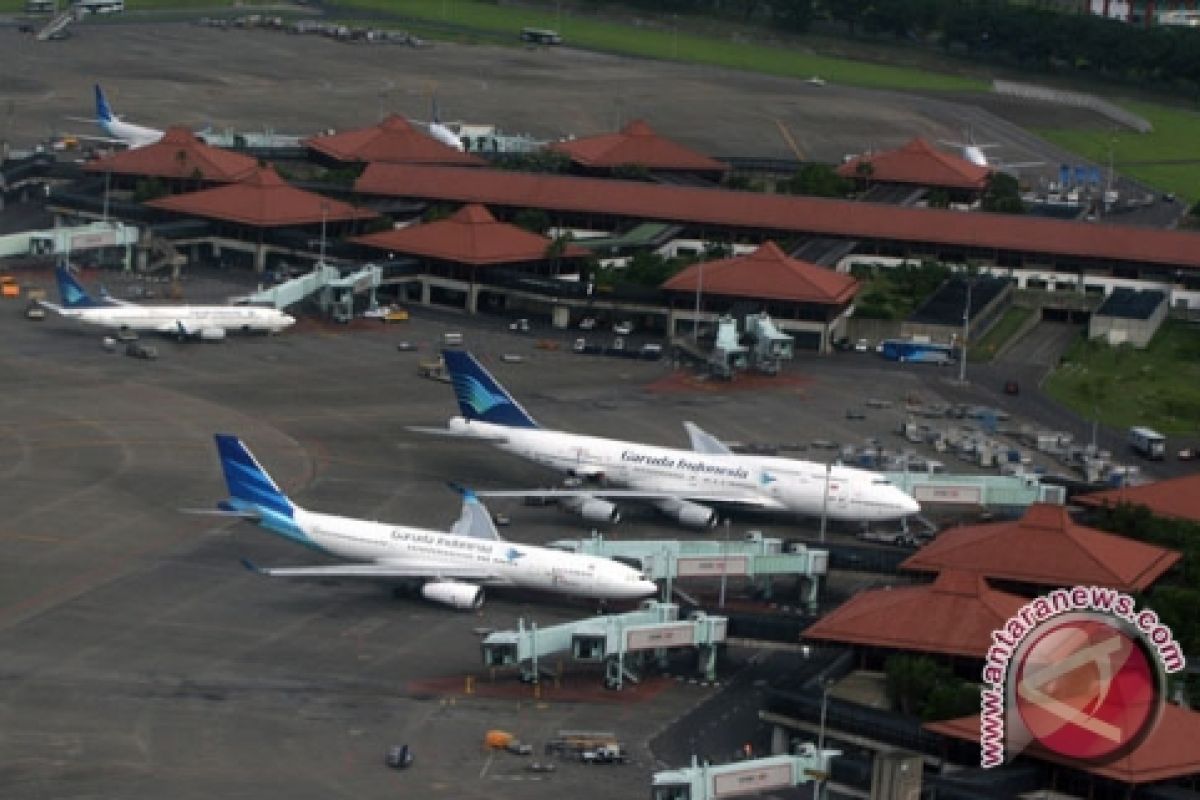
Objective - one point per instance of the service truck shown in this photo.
(1150, 444)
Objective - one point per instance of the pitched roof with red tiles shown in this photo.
(785, 214)
(636, 144)
(1174, 497)
(177, 155)
(1168, 751)
(920, 163)
(767, 273)
(954, 615)
(394, 140)
(263, 200)
(1046, 547)
(471, 236)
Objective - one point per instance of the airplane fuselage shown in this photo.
(182, 319)
(510, 564)
(755, 481)
(134, 136)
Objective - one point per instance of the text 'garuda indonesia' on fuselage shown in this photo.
(205, 322)
(678, 482)
(452, 567)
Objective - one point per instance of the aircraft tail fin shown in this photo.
(250, 487)
(103, 110)
(475, 520)
(480, 396)
(72, 294)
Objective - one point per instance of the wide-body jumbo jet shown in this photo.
(453, 567)
(680, 483)
(205, 322)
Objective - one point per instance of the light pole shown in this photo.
(675, 36)
(821, 736)
(724, 564)
(825, 499)
(324, 215)
(699, 291)
(962, 357)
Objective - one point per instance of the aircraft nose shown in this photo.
(646, 588)
(288, 319)
(909, 505)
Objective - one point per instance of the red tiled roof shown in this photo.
(394, 140)
(1168, 751)
(636, 144)
(263, 200)
(918, 162)
(1175, 497)
(955, 615)
(470, 236)
(784, 214)
(767, 273)
(1046, 547)
(177, 155)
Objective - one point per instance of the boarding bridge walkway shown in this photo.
(68, 239)
(1003, 492)
(756, 558)
(621, 641)
(334, 292)
(716, 781)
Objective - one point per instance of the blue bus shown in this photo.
(920, 352)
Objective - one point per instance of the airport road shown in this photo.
(162, 74)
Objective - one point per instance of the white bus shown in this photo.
(1150, 444)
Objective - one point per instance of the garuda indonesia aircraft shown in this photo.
(453, 567)
(680, 483)
(206, 322)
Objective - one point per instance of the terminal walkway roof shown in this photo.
(918, 163)
(1041, 240)
(263, 200)
(178, 155)
(637, 144)
(767, 273)
(1169, 750)
(955, 615)
(1174, 497)
(1046, 547)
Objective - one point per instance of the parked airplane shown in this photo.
(116, 130)
(453, 567)
(974, 152)
(680, 483)
(440, 132)
(206, 322)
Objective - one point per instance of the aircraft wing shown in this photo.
(452, 433)
(417, 569)
(746, 501)
(91, 137)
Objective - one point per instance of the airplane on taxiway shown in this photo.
(680, 483)
(452, 567)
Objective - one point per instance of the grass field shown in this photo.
(1142, 155)
(986, 346)
(661, 41)
(1158, 387)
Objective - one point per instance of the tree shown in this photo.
(816, 180)
(795, 16)
(534, 220)
(1002, 194)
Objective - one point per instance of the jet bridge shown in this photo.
(68, 239)
(716, 781)
(623, 642)
(770, 347)
(335, 294)
(756, 558)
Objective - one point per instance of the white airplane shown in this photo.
(116, 130)
(206, 322)
(680, 483)
(974, 152)
(453, 567)
(440, 132)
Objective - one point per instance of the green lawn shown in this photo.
(985, 347)
(663, 42)
(1158, 387)
(1175, 136)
